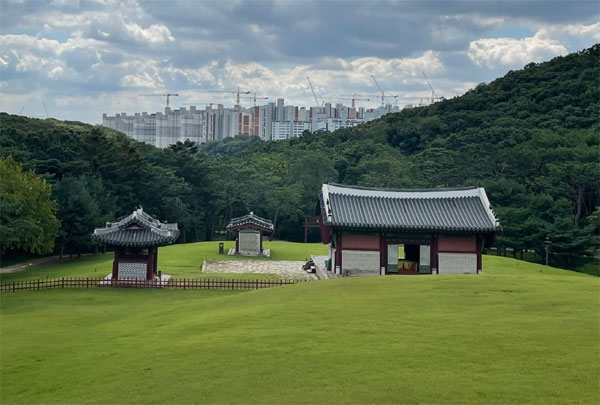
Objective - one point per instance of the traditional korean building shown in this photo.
(250, 228)
(442, 231)
(136, 239)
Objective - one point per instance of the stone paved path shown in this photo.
(284, 269)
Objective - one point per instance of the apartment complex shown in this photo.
(273, 121)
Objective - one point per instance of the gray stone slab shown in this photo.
(284, 269)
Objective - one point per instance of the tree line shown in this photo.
(531, 138)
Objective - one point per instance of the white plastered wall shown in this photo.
(360, 262)
(457, 263)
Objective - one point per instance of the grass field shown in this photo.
(519, 333)
(180, 261)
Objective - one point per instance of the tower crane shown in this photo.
(433, 97)
(236, 92)
(45, 109)
(380, 89)
(255, 98)
(313, 91)
(429, 84)
(395, 97)
(194, 104)
(167, 95)
(353, 97)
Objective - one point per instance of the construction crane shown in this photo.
(236, 92)
(45, 109)
(395, 97)
(380, 89)
(353, 97)
(313, 92)
(433, 97)
(167, 95)
(194, 104)
(429, 84)
(255, 98)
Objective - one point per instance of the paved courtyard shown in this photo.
(285, 269)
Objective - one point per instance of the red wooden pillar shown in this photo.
(151, 263)
(261, 248)
(115, 269)
(156, 260)
(305, 230)
(382, 252)
(433, 259)
(338, 252)
(237, 243)
(479, 270)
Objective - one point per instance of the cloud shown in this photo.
(141, 80)
(548, 42)
(107, 52)
(514, 52)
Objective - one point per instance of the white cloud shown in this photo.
(429, 61)
(140, 80)
(154, 34)
(570, 32)
(492, 52)
(103, 55)
(475, 19)
(549, 41)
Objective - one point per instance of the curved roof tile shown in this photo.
(449, 209)
(137, 230)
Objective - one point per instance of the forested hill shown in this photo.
(531, 138)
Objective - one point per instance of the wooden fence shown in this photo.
(192, 284)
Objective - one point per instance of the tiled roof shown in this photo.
(250, 220)
(450, 210)
(138, 229)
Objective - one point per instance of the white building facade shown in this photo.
(273, 121)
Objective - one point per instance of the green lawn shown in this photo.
(180, 261)
(519, 333)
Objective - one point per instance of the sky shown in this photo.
(79, 59)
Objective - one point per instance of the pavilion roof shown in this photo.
(429, 210)
(250, 221)
(137, 229)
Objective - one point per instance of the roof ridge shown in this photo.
(404, 189)
(411, 198)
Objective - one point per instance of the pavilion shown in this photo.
(250, 228)
(136, 239)
(441, 231)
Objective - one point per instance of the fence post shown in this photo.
(13, 286)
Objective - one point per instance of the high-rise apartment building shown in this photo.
(273, 121)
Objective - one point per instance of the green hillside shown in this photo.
(519, 333)
(179, 261)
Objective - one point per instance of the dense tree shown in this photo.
(27, 213)
(83, 203)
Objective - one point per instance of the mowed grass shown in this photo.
(519, 333)
(180, 261)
